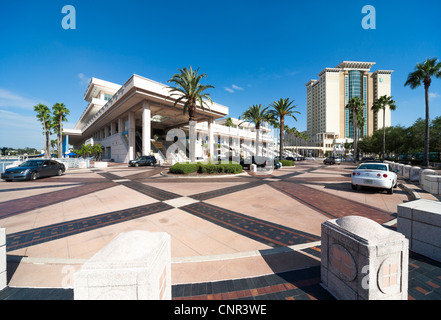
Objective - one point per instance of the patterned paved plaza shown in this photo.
(243, 237)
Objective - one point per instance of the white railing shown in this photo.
(78, 163)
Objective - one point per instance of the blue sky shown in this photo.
(253, 52)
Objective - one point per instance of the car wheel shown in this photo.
(391, 190)
(34, 176)
(136, 164)
(59, 172)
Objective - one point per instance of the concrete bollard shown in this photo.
(3, 274)
(253, 168)
(406, 171)
(420, 222)
(400, 167)
(415, 174)
(432, 184)
(362, 260)
(134, 266)
(424, 173)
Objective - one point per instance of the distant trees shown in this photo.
(4, 151)
(402, 140)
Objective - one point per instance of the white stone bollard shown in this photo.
(253, 168)
(432, 184)
(424, 173)
(134, 266)
(406, 171)
(420, 222)
(362, 260)
(3, 273)
(415, 174)
(400, 167)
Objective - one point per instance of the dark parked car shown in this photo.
(261, 162)
(332, 160)
(143, 161)
(34, 169)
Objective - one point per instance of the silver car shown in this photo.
(376, 175)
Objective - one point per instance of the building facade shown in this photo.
(327, 117)
(139, 118)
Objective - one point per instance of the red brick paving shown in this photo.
(330, 205)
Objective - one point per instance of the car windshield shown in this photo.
(373, 166)
(31, 164)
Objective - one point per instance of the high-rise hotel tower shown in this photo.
(328, 96)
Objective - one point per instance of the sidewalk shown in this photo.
(222, 228)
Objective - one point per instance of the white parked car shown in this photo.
(376, 175)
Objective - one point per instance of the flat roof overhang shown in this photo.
(130, 97)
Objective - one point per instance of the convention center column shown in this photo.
(211, 137)
(132, 135)
(146, 128)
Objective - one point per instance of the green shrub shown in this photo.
(286, 163)
(206, 168)
(183, 168)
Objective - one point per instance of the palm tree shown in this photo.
(60, 112)
(276, 126)
(256, 114)
(190, 92)
(229, 123)
(44, 116)
(97, 151)
(54, 143)
(283, 108)
(381, 104)
(355, 105)
(423, 74)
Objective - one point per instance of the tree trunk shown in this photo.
(60, 136)
(46, 138)
(282, 129)
(257, 139)
(427, 126)
(355, 144)
(384, 132)
(192, 140)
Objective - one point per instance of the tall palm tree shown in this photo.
(355, 105)
(190, 92)
(44, 116)
(229, 123)
(281, 109)
(276, 126)
(381, 104)
(60, 112)
(423, 74)
(256, 114)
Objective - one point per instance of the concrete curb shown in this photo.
(412, 194)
